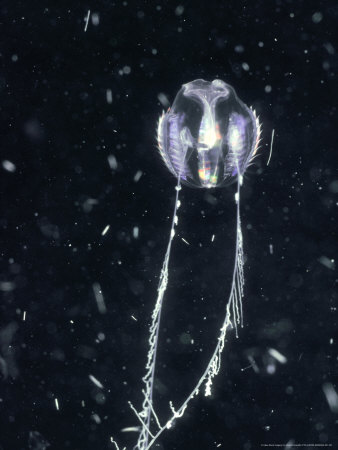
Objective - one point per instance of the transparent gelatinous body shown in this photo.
(208, 136)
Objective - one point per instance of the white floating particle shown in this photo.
(212, 238)
(329, 263)
(186, 242)
(134, 318)
(101, 306)
(329, 48)
(271, 249)
(109, 96)
(154, 51)
(15, 58)
(87, 20)
(96, 381)
(245, 66)
(236, 197)
(24, 316)
(179, 10)
(7, 286)
(106, 228)
(138, 175)
(136, 232)
(331, 396)
(239, 49)
(277, 355)
(253, 364)
(268, 89)
(112, 162)
(163, 99)
(57, 404)
(95, 19)
(130, 429)
(317, 17)
(176, 220)
(333, 187)
(96, 418)
(331, 341)
(8, 165)
(126, 70)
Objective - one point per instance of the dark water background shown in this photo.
(78, 120)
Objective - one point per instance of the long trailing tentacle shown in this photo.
(147, 405)
(233, 318)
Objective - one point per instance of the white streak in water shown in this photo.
(96, 381)
(101, 306)
(87, 20)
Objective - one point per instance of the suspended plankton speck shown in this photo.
(112, 161)
(239, 48)
(134, 318)
(96, 418)
(130, 429)
(317, 17)
(136, 232)
(8, 165)
(163, 99)
(212, 238)
(24, 316)
(179, 10)
(101, 306)
(109, 96)
(186, 242)
(272, 136)
(138, 175)
(176, 220)
(331, 341)
(95, 19)
(105, 230)
(57, 404)
(327, 262)
(331, 396)
(96, 381)
(271, 249)
(87, 20)
(277, 355)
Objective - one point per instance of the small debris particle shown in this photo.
(327, 262)
(136, 232)
(101, 306)
(8, 165)
(109, 96)
(96, 381)
(105, 231)
(87, 20)
(138, 175)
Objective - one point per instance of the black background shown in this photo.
(59, 131)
